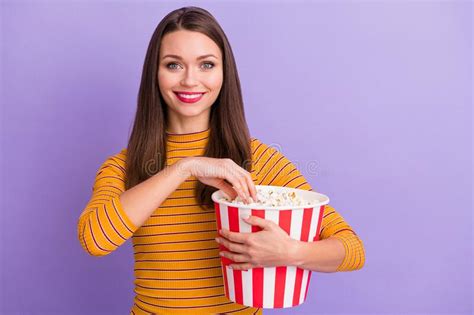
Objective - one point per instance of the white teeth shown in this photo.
(189, 96)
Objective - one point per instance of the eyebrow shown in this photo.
(198, 58)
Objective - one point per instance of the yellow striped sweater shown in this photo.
(177, 264)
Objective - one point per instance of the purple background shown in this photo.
(371, 100)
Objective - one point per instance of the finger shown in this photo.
(232, 176)
(227, 189)
(246, 188)
(254, 220)
(251, 186)
(233, 247)
(234, 256)
(227, 173)
(232, 188)
(247, 183)
(244, 266)
(243, 184)
(235, 236)
(239, 188)
(241, 175)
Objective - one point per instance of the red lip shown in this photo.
(188, 93)
(189, 100)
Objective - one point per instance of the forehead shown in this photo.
(188, 44)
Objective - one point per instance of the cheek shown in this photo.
(164, 81)
(215, 82)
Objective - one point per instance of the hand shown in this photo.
(219, 173)
(267, 248)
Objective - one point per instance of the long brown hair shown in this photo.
(229, 135)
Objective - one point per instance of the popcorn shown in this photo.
(272, 198)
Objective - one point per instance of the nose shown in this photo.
(189, 78)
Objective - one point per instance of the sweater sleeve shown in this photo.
(103, 225)
(273, 168)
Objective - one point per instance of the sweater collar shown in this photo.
(193, 139)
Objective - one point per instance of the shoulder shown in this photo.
(256, 144)
(265, 156)
(272, 167)
(262, 150)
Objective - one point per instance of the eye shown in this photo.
(170, 64)
(209, 63)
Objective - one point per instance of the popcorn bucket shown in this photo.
(270, 287)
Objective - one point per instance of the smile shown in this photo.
(187, 97)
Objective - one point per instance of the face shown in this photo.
(189, 62)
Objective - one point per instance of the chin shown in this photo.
(189, 112)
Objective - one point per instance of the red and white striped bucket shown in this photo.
(270, 287)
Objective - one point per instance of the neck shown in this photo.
(184, 131)
(178, 124)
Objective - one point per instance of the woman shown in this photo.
(189, 139)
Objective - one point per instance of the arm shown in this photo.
(339, 247)
(328, 255)
(112, 215)
(140, 201)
